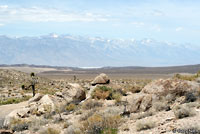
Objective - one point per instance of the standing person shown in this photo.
(33, 82)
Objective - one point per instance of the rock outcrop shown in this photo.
(171, 90)
(170, 86)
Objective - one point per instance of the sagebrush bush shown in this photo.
(48, 111)
(104, 92)
(186, 77)
(50, 131)
(145, 124)
(183, 111)
(71, 107)
(144, 114)
(36, 124)
(89, 104)
(19, 124)
(160, 106)
(101, 124)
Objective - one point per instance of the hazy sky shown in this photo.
(165, 20)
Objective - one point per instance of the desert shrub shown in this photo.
(72, 130)
(104, 92)
(89, 104)
(71, 107)
(14, 100)
(36, 124)
(85, 116)
(145, 124)
(117, 96)
(60, 108)
(160, 106)
(133, 88)
(186, 77)
(50, 131)
(99, 124)
(144, 114)
(183, 111)
(66, 124)
(48, 111)
(190, 97)
(138, 85)
(19, 124)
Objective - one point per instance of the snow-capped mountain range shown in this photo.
(82, 51)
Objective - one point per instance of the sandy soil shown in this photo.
(6, 109)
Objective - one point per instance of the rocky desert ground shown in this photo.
(99, 105)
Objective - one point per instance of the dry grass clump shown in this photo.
(36, 124)
(19, 124)
(101, 124)
(133, 88)
(48, 111)
(145, 124)
(160, 105)
(104, 92)
(137, 86)
(14, 100)
(89, 104)
(186, 77)
(71, 107)
(73, 129)
(50, 131)
(144, 114)
(183, 111)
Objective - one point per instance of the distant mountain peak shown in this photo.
(83, 51)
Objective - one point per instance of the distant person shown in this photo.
(74, 77)
(33, 82)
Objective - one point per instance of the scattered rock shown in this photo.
(101, 79)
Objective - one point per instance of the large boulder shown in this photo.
(171, 86)
(46, 104)
(74, 93)
(16, 114)
(101, 79)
